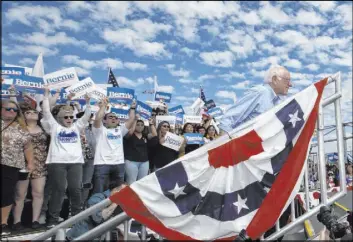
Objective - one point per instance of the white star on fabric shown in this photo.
(241, 203)
(177, 191)
(294, 118)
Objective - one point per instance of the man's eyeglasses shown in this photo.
(9, 109)
(284, 78)
(112, 117)
(68, 117)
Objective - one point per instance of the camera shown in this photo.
(337, 230)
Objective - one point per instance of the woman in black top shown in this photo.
(159, 154)
(187, 148)
(135, 153)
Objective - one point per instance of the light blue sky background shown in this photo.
(224, 46)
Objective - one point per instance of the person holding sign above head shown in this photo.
(65, 158)
(188, 146)
(160, 155)
(109, 156)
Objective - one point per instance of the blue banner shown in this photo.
(179, 119)
(332, 157)
(215, 112)
(29, 84)
(120, 95)
(5, 93)
(12, 71)
(165, 97)
(122, 114)
(194, 139)
(176, 110)
(144, 110)
(210, 104)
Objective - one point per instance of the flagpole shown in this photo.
(108, 74)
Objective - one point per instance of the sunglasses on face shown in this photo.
(68, 117)
(112, 117)
(9, 109)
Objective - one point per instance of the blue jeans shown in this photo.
(135, 170)
(104, 174)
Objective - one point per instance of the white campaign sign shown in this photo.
(173, 141)
(192, 119)
(197, 106)
(63, 78)
(169, 119)
(82, 87)
(98, 93)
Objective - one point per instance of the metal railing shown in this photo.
(108, 225)
(298, 221)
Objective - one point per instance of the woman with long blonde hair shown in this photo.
(16, 154)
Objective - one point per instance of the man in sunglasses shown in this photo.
(65, 156)
(109, 157)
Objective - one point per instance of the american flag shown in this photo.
(202, 94)
(230, 185)
(148, 92)
(111, 79)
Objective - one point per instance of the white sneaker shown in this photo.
(42, 219)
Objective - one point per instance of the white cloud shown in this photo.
(183, 98)
(45, 18)
(231, 75)
(110, 11)
(82, 71)
(293, 63)
(218, 58)
(29, 50)
(226, 94)
(240, 43)
(309, 18)
(194, 90)
(123, 81)
(323, 6)
(250, 18)
(313, 67)
(167, 89)
(345, 16)
(205, 77)
(188, 52)
(302, 82)
(242, 85)
(187, 81)
(135, 66)
(273, 13)
(179, 73)
(27, 61)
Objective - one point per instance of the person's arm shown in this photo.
(208, 122)
(83, 121)
(48, 120)
(132, 114)
(100, 114)
(107, 212)
(133, 127)
(54, 98)
(182, 148)
(153, 128)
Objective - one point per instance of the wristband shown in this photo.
(132, 108)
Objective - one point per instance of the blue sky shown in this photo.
(224, 46)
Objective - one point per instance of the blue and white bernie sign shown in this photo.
(215, 112)
(120, 95)
(163, 96)
(26, 83)
(122, 114)
(176, 110)
(194, 139)
(144, 110)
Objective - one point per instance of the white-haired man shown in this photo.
(258, 99)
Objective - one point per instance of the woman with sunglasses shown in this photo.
(16, 154)
(65, 158)
(159, 154)
(40, 142)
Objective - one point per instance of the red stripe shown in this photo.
(236, 150)
(282, 188)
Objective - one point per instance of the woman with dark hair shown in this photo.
(136, 152)
(40, 142)
(16, 154)
(187, 148)
(159, 154)
(211, 133)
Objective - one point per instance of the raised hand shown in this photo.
(87, 98)
(133, 104)
(46, 90)
(70, 96)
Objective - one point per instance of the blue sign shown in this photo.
(210, 104)
(122, 114)
(165, 97)
(194, 139)
(29, 84)
(144, 110)
(179, 118)
(176, 110)
(215, 112)
(120, 95)
(12, 71)
(5, 93)
(332, 157)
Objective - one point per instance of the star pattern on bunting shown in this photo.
(294, 118)
(240, 204)
(177, 191)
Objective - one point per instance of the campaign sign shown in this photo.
(5, 90)
(120, 95)
(29, 84)
(15, 71)
(179, 119)
(192, 119)
(163, 96)
(194, 139)
(98, 93)
(28, 70)
(173, 141)
(144, 110)
(210, 104)
(197, 106)
(169, 119)
(122, 114)
(63, 78)
(215, 112)
(82, 87)
(176, 110)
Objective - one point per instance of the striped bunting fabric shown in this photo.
(229, 185)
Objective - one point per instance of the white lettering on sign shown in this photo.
(63, 78)
(99, 93)
(170, 119)
(82, 87)
(11, 72)
(22, 83)
(160, 96)
(192, 119)
(173, 141)
(120, 95)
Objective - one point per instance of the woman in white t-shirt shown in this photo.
(65, 156)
